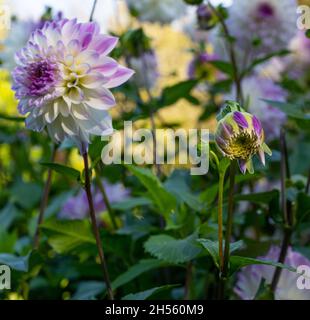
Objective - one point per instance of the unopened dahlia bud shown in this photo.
(205, 17)
(239, 136)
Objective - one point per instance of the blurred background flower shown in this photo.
(249, 278)
(76, 207)
(262, 27)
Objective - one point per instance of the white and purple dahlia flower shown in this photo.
(63, 80)
(239, 136)
(250, 277)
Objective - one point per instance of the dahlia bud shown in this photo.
(239, 136)
(205, 17)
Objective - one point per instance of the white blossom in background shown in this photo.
(17, 37)
(271, 23)
(249, 278)
(255, 89)
(146, 69)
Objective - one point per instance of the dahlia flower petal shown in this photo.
(104, 44)
(249, 166)
(51, 114)
(119, 77)
(98, 123)
(242, 165)
(69, 126)
(108, 66)
(257, 125)
(74, 47)
(80, 112)
(101, 99)
(34, 123)
(240, 119)
(93, 80)
(261, 154)
(62, 106)
(267, 149)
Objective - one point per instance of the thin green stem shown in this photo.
(106, 199)
(308, 183)
(44, 201)
(95, 228)
(220, 219)
(286, 209)
(188, 280)
(229, 224)
(232, 53)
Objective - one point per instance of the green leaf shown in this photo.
(223, 66)
(237, 263)
(172, 250)
(131, 203)
(136, 270)
(7, 215)
(260, 197)
(224, 164)
(143, 295)
(70, 172)
(172, 94)
(176, 184)
(230, 106)
(290, 109)
(88, 290)
(27, 195)
(65, 236)
(261, 60)
(303, 207)
(10, 118)
(7, 240)
(15, 262)
(212, 247)
(163, 199)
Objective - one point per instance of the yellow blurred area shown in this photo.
(76, 160)
(8, 104)
(14, 296)
(3, 30)
(172, 49)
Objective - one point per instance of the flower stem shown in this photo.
(308, 183)
(93, 11)
(286, 209)
(95, 228)
(220, 219)
(188, 281)
(106, 200)
(44, 201)
(229, 223)
(232, 53)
